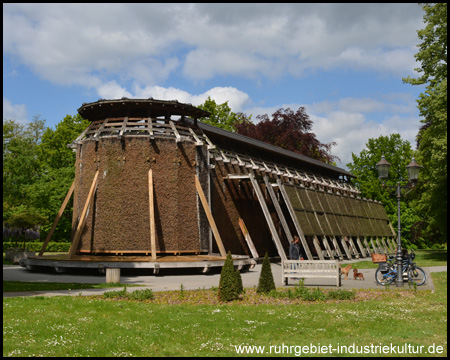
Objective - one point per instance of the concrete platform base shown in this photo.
(60, 263)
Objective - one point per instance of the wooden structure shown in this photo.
(153, 183)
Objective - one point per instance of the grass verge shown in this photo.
(195, 323)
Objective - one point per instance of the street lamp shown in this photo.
(413, 176)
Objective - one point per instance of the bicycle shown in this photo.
(387, 271)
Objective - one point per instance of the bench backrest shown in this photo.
(311, 265)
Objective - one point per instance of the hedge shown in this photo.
(36, 246)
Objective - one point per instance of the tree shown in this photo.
(38, 169)
(221, 115)
(230, 283)
(399, 153)
(288, 130)
(265, 283)
(432, 104)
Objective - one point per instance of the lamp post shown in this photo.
(413, 176)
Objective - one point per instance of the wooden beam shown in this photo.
(337, 248)
(209, 215)
(124, 125)
(268, 217)
(83, 216)
(344, 245)
(248, 239)
(317, 247)
(294, 220)
(58, 217)
(353, 247)
(361, 247)
(150, 127)
(198, 142)
(278, 208)
(152, 214)
(177, 135)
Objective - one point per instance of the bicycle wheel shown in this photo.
(417, 275)
(384, 277)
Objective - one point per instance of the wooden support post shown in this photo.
(353, 247)
(268, 217)
(366, 244)
(380, 247)
(317, 247)
(294, 220)
(248, 238)
(58, 216)
(383, 242)
(361, 247)
(212, 223)
(336, 246)
(375, 248)
(77, 237)
(152, 214)
(278, 208)
(327, 247)
(344, 245)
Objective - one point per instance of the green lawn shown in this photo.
(424, 258)
(93, 326)
(9, 286)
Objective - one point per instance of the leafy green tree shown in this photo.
(25, 225)
(399, 153)
(432, 104)
(21, 166)
(265, 283)
(221, 115)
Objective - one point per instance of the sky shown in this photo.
(343, 62)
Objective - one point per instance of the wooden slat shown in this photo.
(268, 217)
(83, 216)
(58, 216)
(210, 217)
(177, 135)
(248, 239)
(353, 247)
(152, 214)
(294, 220)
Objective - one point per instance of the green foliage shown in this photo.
(141, 295)
(36, 246)
(399, 153)
(265, 282)
(221, 115)
(230, 285)
(432, 136)
(39, 169)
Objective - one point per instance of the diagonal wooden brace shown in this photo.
(83, 217)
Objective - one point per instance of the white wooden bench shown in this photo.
(298, 269)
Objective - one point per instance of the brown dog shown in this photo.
(357, 275)
(346, 270)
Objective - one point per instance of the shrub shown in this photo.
(341, 294)
(229, 285)
(266, 282)
(141, 295)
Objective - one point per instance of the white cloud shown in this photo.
(348, 122)
(146, 43)
(17, 112)
(236, 99)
